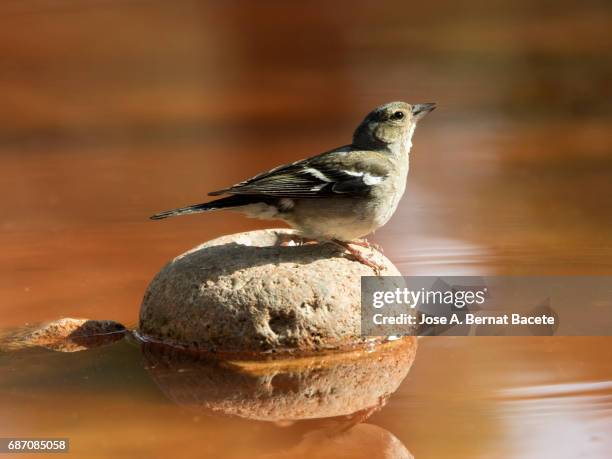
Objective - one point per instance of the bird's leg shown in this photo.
(367, 244)
(358, 256)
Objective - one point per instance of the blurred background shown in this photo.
(113, 110)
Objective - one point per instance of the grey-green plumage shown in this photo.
(342, 194)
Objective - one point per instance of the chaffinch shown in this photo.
(341, 195)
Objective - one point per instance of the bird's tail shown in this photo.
(182, 211)
(223, 203)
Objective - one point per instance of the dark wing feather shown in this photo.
(331, 173)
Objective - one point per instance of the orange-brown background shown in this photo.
(113, 110)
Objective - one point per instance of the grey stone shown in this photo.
(245, 293)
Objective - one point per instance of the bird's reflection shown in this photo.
(326, 398)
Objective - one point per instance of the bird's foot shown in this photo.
(358, 256)
(367, 244)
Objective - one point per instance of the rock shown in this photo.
(348, 386)
(66, 335)
(245, 293)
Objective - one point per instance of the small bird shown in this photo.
(341, 195)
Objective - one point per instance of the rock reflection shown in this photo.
(365, 441)
(325, 397)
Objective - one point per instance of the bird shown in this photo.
(339, 196)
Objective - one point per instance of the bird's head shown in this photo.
(391, 126)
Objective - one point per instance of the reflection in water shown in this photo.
(317, 403)
(293, 389)
(363, 441)
(489, 397)
(339, 390)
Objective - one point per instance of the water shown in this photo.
(483, 397)
(112, 111)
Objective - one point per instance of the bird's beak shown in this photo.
(420, 110)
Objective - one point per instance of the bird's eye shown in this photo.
(398, 115)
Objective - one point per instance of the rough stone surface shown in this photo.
(351, 385)
(66, 335)
(246, 293)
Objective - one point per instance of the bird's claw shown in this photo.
(357, 255)
(367, 244)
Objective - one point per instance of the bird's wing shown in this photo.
(338, 172)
